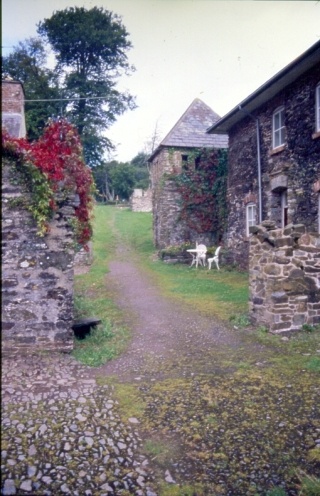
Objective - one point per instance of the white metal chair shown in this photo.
(198, 255)
(215, 258)
(201, 255)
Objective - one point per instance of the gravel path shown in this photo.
(62, 433)
(167, 336)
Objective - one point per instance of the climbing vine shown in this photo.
(202, 185)
(51, 164)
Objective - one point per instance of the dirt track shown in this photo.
(167, 337)
(223, 419)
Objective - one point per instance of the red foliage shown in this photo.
(203, 188)
(58, 154)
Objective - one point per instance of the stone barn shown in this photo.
(171, 156)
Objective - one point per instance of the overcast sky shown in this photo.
(219, 51)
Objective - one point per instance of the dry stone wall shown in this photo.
(284, 270)
(37, 276)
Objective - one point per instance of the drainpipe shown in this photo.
(258, 159)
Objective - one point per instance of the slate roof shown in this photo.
(190, 130)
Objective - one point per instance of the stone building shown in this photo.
(171, 156)
(12, 108)
(274, 154)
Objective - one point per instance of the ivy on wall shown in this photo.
(202, 185)
(51, 164)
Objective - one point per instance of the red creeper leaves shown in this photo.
(58, 155)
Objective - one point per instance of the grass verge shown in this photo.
(94, 298)
(215, 293)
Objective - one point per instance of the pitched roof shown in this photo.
(309, 59)
(190, 130)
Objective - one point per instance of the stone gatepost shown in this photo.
(37, 275)
(284, 277)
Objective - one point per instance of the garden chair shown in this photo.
(215, 258)
(198, 255)
(201, 255)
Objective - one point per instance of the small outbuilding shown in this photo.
(171, 156)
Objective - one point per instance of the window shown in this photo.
(278, 128)
(184, 161)
(284, 208)
(251, 211)
(318, 108)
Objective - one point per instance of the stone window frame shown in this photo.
(284, 207)
(251, 220)
(281, 128)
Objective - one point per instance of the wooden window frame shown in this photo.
(251, 220)
(278, 133)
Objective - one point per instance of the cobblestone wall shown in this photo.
(284, 272)
(37, 276)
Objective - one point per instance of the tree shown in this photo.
(142, 172)
(90, 48)
(27, 64)
(123, 180)
(104, 188)
(153, 141)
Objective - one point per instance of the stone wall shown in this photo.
(293, 168)
(284, 276)
(141, 200)
(168, 228)
(37, 276)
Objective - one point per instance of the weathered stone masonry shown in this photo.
(169, 159)
(37, 276)
(12, 108)
(290, 172)
(284, 277)
(168, 229)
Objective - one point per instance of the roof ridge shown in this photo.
(185, 114)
